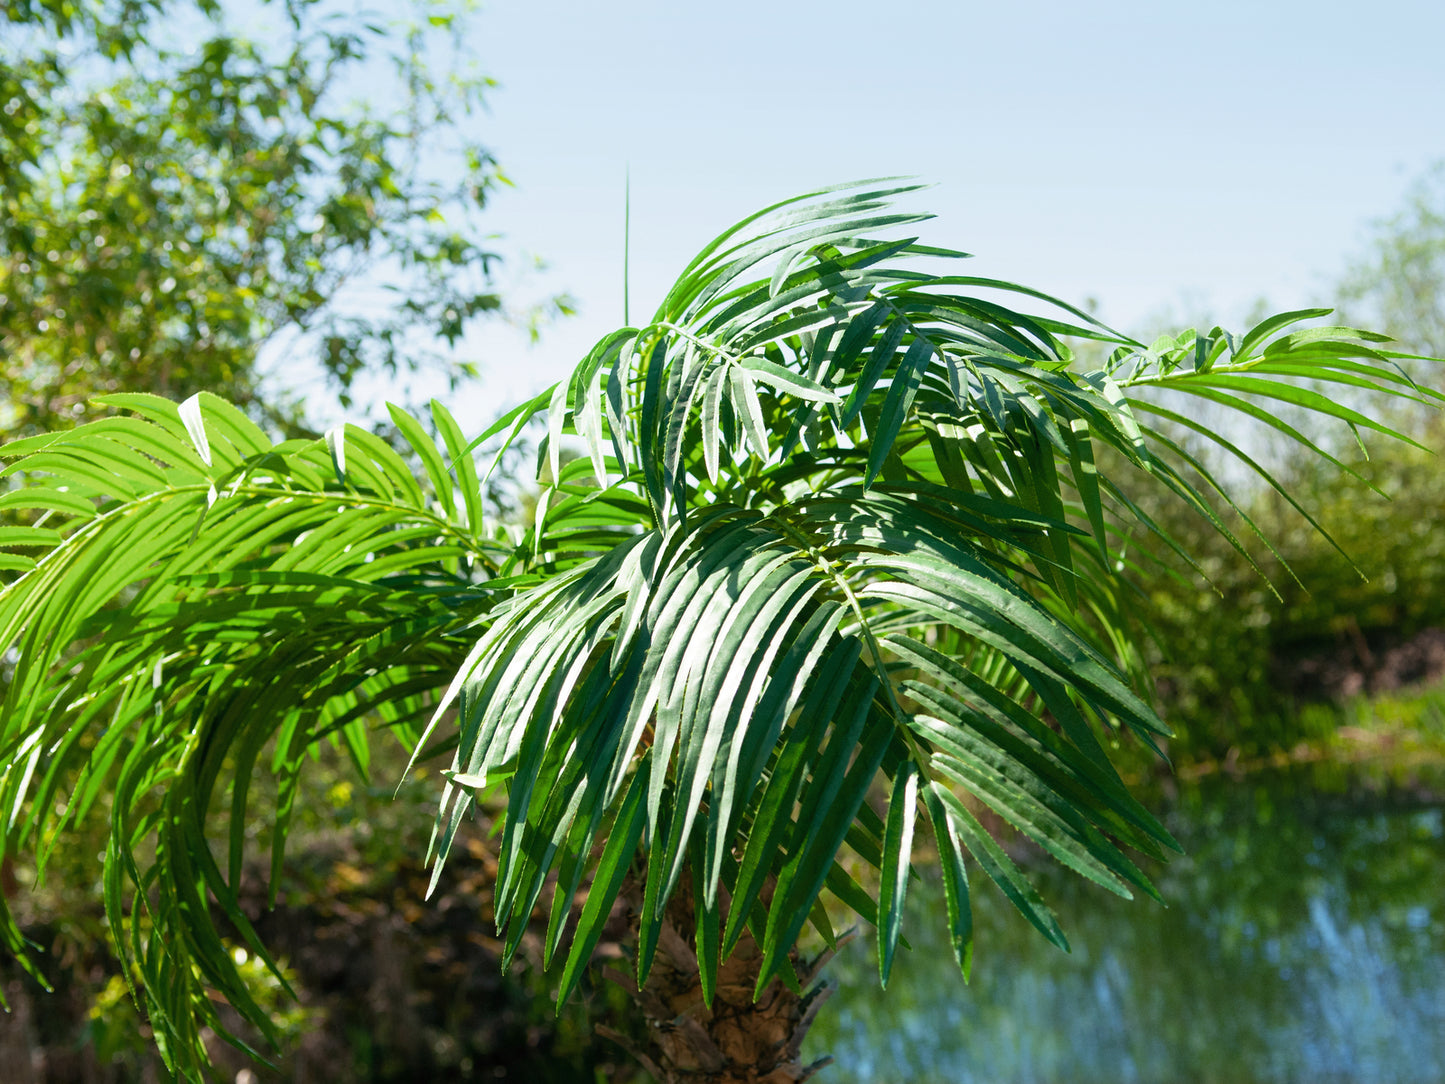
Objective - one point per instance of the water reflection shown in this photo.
(1305, 941)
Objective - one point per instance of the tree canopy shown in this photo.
(184, 184)
(1399, 282)
(848, 562)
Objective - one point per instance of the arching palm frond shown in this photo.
(204, 605)
(840, 523)
(849, 463)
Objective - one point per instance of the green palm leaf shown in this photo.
(842, 527)
(209, 596)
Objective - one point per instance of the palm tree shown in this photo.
(848, 551)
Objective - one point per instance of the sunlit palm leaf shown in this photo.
(840, 527)
(202, 602)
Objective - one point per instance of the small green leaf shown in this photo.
(336, 445)
(190, 413)
(745, 403)
(781, 379)
(622, 843)
(897, 853)
(955, 881)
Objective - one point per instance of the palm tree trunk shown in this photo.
(735, 1041)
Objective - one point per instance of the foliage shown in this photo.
(178, 195)
(117, 1030)
(1240, 665)
(843, 521)
(1238, 661)
(1400, 284)
(390, 987)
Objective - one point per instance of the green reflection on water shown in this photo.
(1304, 941)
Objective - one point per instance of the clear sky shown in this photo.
(1153, 156)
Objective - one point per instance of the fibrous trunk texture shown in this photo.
(735, 1041)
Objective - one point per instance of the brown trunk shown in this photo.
(737, 1040)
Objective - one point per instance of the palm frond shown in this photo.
(202, 597)
(843, 533)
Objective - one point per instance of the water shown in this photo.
(1304, 941)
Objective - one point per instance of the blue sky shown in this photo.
(1153, 156)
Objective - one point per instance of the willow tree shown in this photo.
(831, 566)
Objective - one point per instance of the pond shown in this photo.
(1304, 941)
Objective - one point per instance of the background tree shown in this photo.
(181, 192)
(838, 563)
(191, 194)
(1237, 665)
(1399, 283)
